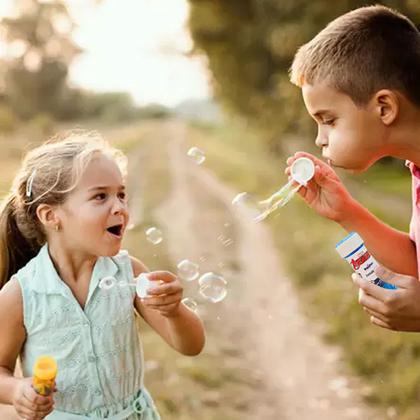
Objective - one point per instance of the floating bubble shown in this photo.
(197, 155)
(131, 226)
(190, 304)
(154, 235)
(246, 203)
(187, 270)
(107, 283)
(212, 287)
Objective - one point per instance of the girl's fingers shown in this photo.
(163, 300)
(165, 289)
(165, 276)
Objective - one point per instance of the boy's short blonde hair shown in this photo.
(361, 52)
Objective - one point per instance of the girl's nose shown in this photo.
(119, 207)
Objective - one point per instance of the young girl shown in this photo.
(61, 229)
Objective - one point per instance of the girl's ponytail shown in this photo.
(15, 249)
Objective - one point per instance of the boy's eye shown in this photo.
(329, 121)
(122, 195)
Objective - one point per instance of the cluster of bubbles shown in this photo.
(212, 287)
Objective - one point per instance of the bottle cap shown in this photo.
(302, 170)
(45, 368)
(350, 244)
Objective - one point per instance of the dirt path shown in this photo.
(290, 374)
(300, 376)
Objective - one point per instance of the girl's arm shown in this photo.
(15, 391)
(181, 328)
(12, 337)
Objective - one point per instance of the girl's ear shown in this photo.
(47, 215)
(387, 105)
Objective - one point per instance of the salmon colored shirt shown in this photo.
(415, 217)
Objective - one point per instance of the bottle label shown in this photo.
(364, 264)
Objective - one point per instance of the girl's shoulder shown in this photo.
(137, 266)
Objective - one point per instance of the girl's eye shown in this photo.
(329, 122)
(100, 196)
(122, 195)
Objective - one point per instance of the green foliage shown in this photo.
(8, 119)
(39, 37)
(250, 46)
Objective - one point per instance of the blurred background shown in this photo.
(157, 77)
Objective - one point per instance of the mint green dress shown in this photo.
(97, 349)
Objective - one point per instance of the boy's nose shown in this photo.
(321, 140)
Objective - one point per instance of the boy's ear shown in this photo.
(387, 105)
(47, 216)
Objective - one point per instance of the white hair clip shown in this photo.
(29, 183)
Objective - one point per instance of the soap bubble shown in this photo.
(154, 235)
(131, 226)
(107, 283)
(197, 155)
(187, 270)
(246, 203)
(212, 287)
(190, 304)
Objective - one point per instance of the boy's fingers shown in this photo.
(400, 280)
(380, 323)
(310, 156)
(376, 314)
(370, 302)
(371, 289)
(384, 273)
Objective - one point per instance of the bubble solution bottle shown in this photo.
(45, 372)
(354, 251)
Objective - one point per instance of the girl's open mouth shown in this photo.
(116, 230)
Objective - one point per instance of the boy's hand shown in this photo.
(393, 309)
(325, 193)
(167, 297)
(30, 405)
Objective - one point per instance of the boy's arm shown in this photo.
(326, 194)
(392, 248)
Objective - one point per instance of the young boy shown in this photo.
(360, 80)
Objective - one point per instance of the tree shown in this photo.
(40, 49)
(250, 46)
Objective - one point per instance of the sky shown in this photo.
(137, 46)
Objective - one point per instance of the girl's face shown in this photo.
(94, 216)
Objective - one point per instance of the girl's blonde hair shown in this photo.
(47, 175)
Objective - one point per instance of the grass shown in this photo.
(388, 361)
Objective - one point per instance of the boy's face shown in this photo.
(350, 137)
(94, 215)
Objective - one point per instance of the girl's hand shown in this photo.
(30, 405)
(325, 193)
(167, 297)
